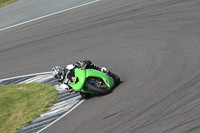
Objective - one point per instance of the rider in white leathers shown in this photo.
(61, 73)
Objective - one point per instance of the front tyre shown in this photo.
(85, 95)
(102, 90)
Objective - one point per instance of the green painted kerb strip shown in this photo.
(6, 2)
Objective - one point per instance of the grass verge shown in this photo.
(22, 103)
(6, 2)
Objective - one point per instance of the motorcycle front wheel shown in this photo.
(85, 95)
(102, 90)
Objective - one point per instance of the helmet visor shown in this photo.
(58, 76)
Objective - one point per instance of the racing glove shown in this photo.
(105, 70)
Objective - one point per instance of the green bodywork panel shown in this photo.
(81, 75)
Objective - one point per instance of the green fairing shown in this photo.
(82, 75)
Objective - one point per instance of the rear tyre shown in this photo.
(85, 95)
(116, 79)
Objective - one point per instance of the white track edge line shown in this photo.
(48, 15)
(81, 101)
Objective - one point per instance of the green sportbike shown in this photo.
(89, 81)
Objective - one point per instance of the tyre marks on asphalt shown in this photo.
(65, 103)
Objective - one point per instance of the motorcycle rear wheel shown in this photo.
(116, 79)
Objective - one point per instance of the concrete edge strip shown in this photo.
(25, 76)
(48, 15)
(61, 116)
(38, 78)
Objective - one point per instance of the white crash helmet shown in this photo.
(57, 72)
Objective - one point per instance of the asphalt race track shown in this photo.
(153, 45)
